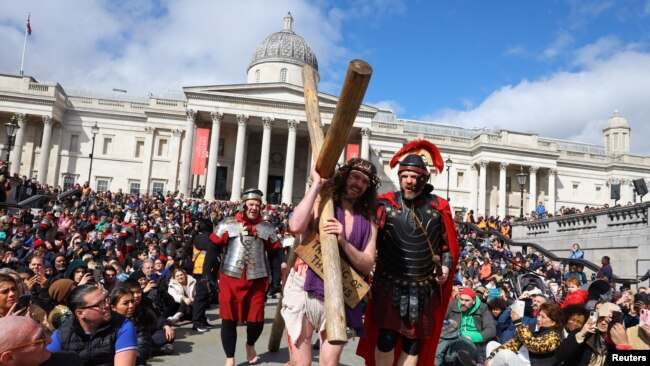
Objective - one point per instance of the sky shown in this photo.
(558, 68)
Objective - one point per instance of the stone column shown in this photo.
(175, 150)
(213, 157)
(532, 190)
(147, 155)
(287, 189)
(267, 123)
(481, 188)
(365, 143)
(550, 206)
(17, 154)
(242, 119)
(46, 142)
(503, 168)
(473, 186)
(186, 155)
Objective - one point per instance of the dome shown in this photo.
(285, 46)
(617, 121)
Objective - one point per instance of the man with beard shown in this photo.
(416, 251)
(353, 190)
(244, 276)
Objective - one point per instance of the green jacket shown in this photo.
(477, 324)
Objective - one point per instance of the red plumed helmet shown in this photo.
(425, 150)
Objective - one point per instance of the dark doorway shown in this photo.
(221, 192)
(274, 189)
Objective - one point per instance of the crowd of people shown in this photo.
(108, 276)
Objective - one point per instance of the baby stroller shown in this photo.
(530, 281)
(599, 291)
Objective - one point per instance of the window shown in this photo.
(162, 148)
(283, 75)
(599, 193)
(68, 182)
(139, 148)
(222, 142)
(575, 189)
(102, 185)
(257, 76)
(460, 179)
(134, 188)
(157, 187)
(74, 144)
(108, 146)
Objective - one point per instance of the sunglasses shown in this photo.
(41, 339)
(101, 305)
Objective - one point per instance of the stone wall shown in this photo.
(622, 233)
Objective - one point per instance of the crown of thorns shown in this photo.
(363, 167)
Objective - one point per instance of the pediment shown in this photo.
(280, 92)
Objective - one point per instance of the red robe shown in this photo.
(241, 299)
(427, 355)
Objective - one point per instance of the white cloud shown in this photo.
(140, 47)
(563, 41)
(572, 105)
(393, 105)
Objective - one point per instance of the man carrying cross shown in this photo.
(353, 190)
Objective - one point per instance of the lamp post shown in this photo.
(448, 162)
(12, 128)
(521, 178)
(94, 130)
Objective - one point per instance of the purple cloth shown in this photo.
(358, 238)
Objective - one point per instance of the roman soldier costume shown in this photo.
(416, 238)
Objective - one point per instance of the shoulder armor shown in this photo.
(230, 226)
(266, 231)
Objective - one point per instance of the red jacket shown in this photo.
(577, 298)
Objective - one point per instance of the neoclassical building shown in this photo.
(231, 137)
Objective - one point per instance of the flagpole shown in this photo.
(22, 61)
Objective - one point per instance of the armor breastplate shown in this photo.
(245, 251)
(404, 251)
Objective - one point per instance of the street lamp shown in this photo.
(521, 178)
(95, 131)
(448, 162)
(12, 128)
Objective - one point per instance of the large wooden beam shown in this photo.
(354, 88)
(316, 137)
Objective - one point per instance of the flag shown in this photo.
(29, 26)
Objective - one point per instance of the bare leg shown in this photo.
(230, 361)
(384, 358)
(407, 360)
(301, 350)
(329, 353)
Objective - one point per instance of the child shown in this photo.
(575, 295)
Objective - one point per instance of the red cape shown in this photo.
(367, 345)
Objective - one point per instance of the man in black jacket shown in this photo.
(99, 336)
(206, 256)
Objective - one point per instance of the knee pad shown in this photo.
(386, 340)
(410, 346)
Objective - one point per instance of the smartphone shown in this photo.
(593, 316)
(645, 317)
(617, 318)
(23, 302)
(519, 306)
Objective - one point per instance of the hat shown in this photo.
(606, 309)
(60, 290)
(416, 155)
(38, 243)
(137, 275)
(252, 194)
(468, 292)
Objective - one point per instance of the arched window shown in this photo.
(257, 76)
(283, 75)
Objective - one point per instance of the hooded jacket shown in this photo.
(477, 323)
